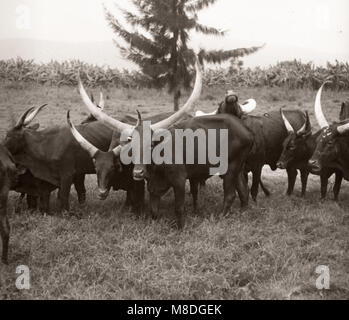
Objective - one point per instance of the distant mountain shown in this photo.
(105, 53)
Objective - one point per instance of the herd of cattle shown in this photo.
(35, 162)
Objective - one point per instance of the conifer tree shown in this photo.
(156, 38)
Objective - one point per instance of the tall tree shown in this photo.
(156, 38)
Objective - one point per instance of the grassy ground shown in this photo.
(269, 252)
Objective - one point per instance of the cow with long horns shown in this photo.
(107, 164)
(175, 175)
(52, 155)
(37, 192)
(269, 133)
(298, 148)
(332, 148)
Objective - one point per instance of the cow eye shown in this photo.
(129, 139)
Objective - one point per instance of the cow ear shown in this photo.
(20, 169)
(34, 126)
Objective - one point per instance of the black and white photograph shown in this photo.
(174, 150)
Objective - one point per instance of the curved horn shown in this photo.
(32, 116)
(188, 106)
(117, 150)
(99, 115)
(92, 97)
(248, 106)
(22, 118)
(288, 125)
(101, 101)
(318, 109)
(91, 149)
(305, 126)
(139, 120)
(202, 114)
(343, 129)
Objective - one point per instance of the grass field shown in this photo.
(271, 251)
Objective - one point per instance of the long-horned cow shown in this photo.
(332, 148)
(298, 148)
(269, 133)
(162, 177)
(52, 155)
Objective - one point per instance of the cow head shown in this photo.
(129, 131)
(14, 140)
(106, 163)
(232, 106)
(294, 146)
(100, 105)
(328, 146)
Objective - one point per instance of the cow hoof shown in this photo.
(65, 214)
(243, 209)
(224, 214)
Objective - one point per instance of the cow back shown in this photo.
(269, 132)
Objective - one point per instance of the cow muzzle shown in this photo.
(232, 98)
(138, 175)
(314, 166)
(103, 194)
(281, 165)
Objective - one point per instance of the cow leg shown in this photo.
(337, 185)
(179, 191)
(45, 203)
(242, 189)
(256, 179)
(264, 188)
(128, 202)
(292, 175)
(324, 183)
(229, 181)
(154, 202)
(194, 186)
(32, 203)
(79, 184)
(18, 206)
(64, 193)
(4, 226)
(304, 179)
(138, 193)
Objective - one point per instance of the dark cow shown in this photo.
(8, 175)
(162, 177)
(107, 159)
(269, 133)
(52, 155)
(111, 173)
(36, 191)
(332, 148)
(298, 148)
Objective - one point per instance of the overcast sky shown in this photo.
(320, 25)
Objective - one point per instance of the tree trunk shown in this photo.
(176, 97)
